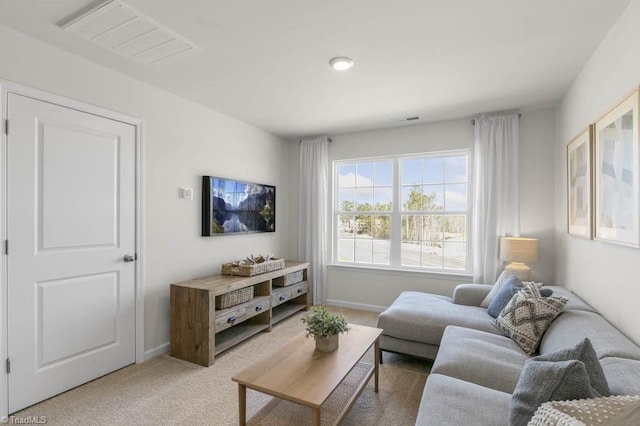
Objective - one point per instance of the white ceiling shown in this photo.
(265, 62)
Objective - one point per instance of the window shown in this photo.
(409, 212)
(365, 194)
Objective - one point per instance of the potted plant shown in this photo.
(325, 327)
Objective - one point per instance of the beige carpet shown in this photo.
(169, 391)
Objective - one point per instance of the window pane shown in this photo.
(432, 255)
(432, 228)
(433, 170)
(346, 225)
(455, 169)
(347, 176)
(411, 227)
(433, 199)
(382, 198)
(382, 252)
(364, 199)
(364, 177)
(383, 173)
(411, 198)
(346, 200)
(363, 226)
(382, 227)
(411, 172)
(345, 250)
(410, 253)
(433, 212)
(455, 255)
(364, 250)
(455, 197)
(455, 228)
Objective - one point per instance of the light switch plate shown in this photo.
(186, 193)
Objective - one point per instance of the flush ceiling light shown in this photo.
(341, 63)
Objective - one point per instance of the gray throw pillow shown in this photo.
(557, 377)
(583, 351)
(510, 287)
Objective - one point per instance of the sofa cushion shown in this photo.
(574, 302)
(479, 357)
(494, 290)
(623, 375)
(510, 287)
(527, 316)
(447, 401)
(573, 325)
(422, 317)
(543, 381)
(508, 290)
(583, 351)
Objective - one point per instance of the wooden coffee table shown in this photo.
(297, 372)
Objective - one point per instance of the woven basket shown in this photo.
(255, 269)
(292, 278)
(234, 298)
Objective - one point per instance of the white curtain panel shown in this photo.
(312, 227)
(496, 207)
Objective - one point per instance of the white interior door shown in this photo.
(71, 222)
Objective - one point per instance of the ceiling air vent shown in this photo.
(123, 30)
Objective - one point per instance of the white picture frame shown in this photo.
(580, 185)
(616, 174)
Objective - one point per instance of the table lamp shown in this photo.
(518, 251)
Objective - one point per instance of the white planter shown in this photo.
(327, 344)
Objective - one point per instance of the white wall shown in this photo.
(183, 141)
(605, 275)
(375, 289)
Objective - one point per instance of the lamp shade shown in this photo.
(523, 250)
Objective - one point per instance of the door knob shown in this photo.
(129, 257)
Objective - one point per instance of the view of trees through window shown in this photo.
(365, 201)
(428, 230)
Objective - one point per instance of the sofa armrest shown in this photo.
(471, 294)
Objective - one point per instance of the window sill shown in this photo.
(449, 276)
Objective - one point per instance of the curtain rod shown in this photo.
(329, 139)
(473, 121)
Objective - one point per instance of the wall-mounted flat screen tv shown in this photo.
(235, 207)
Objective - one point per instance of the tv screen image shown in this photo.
(233, 207)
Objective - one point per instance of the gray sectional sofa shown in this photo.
(476, 368)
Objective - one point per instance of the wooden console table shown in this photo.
(199, 331)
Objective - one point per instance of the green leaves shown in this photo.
(322, 323)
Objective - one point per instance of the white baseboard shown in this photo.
(160, 350)
(352, 305)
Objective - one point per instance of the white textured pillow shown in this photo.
(494, 290)
(609, 410)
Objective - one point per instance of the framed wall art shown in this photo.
(580, 185)
(616, 174)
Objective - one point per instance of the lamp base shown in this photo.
(520, 270)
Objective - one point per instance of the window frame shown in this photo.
(397, 214)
